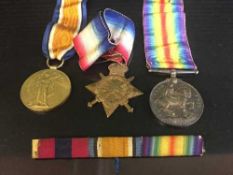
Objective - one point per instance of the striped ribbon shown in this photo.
(110, 33)
(165, 38)
(118, 147)
(69, 16)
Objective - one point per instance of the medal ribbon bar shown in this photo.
(114, 147)
(165, 38)
(109, 35)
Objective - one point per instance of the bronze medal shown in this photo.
(45, 90)
(114, 90)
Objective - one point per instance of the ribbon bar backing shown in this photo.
(117, 147)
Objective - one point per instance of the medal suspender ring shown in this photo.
(55, 66)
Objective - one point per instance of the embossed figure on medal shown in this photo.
(176, 103)
(45, 90)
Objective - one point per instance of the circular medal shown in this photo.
(176, 103)
(45, 90)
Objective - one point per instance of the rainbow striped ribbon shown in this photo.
(118, 147)
(109, 35)
(69, 16)
(165, 39)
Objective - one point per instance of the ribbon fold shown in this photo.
(109, 35)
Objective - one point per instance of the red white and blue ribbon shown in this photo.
(68, 18)
(165, 38)
(109, 35)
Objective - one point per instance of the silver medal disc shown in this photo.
(176, 103)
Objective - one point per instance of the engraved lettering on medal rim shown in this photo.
(177, 104)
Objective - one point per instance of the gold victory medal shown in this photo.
(45, 90)
(114, 90)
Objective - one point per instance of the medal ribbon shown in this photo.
(117, 147)
(110, 35)
(69, 16)
(165, 39)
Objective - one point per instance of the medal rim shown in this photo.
(170, 123)
(49, 108)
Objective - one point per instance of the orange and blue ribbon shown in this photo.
(109, 35)
(165, 38)
(68, 18)
(118, 147)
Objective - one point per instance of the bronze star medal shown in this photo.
(114, 90)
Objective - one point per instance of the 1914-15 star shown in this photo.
(114, 90)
